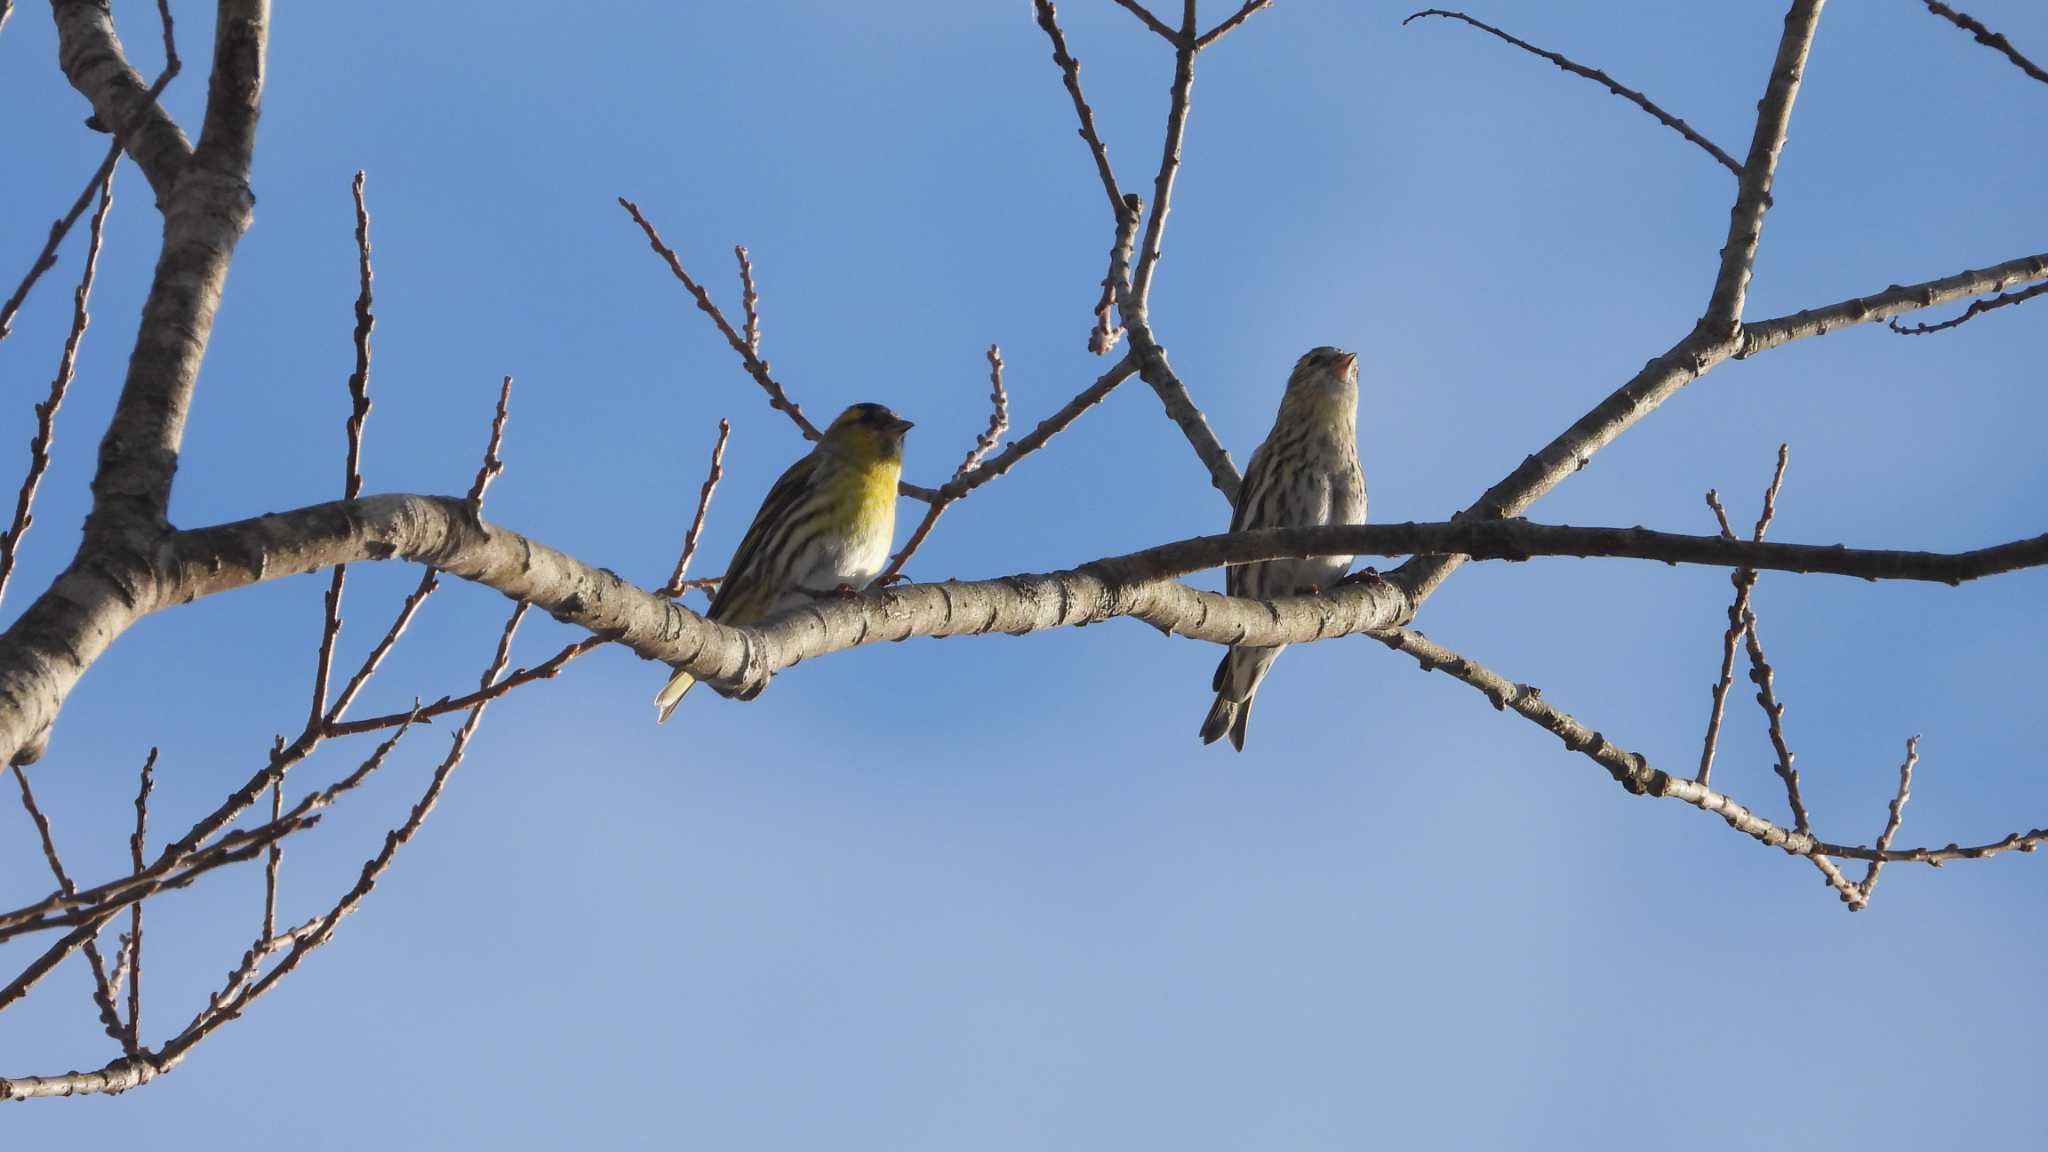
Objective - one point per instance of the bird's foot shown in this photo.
(1365, 575)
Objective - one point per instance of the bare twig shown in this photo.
(366, 321)
(998, 417)
(136, 843)
(1612, 85)
(1762, 674)
(1133, 293)
(679, 580)
(352, 465)
(1976, 308)
(1986, 37)
(1635, 774)
(272, 865)
(998, 423)
(1153, 22)
(1070, 73)
(46, 412)
(493, 463)
(105, 989)
(1894, 817)
(429, 580)
(315, 936)
(545, 670)
(269, 941)
(756, 367)
(1744, 580)
(1238, 17)
(1729, 642)
(750, 300)
(47, 258)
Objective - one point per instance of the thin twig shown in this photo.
(46, 412)
(492, 464)
(1238, 17)
(1764, 676)
(366, 321)
(756, 367)
(1153, 22)
(998, 423)
(1986, 37)
(1730, 640)
(1976, 308)
(545, 670)
(136, 844)
(1594, 74)
(998, 417)
(47, 258)
(679, 580)
(429, 580)
(1134, 294)
(1070, 73)
(352, 466)
(750, 299)
(104, 988)
(1894, 817)
(1744, 579)
(272, 865)
(319, 934)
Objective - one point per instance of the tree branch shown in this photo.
(1987, 38)
(97, 66)
(1723, 319)
(205, 216)
(1896, 300)
(1612, 85)
(1976, 308)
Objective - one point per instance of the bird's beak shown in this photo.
(1347, 362)
(901, 426)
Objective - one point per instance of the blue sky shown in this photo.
(993, 893)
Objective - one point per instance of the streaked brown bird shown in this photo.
(1305, 475)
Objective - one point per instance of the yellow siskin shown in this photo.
(1305, 475)
(826, 525)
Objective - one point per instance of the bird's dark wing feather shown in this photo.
(742, 574)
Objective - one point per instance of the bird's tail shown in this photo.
(1227, 715)
(1236, 682)
(671, 695)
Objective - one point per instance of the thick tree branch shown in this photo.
(1612, 85)
(204, 218)
(97, 65)
(441, 532)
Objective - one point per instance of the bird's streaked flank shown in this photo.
(825, 526)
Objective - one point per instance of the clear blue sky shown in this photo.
(992, 893)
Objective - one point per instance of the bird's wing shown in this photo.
(1251, 512)
(745, 578)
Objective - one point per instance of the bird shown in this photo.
(824, 527)
(1306, 474)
